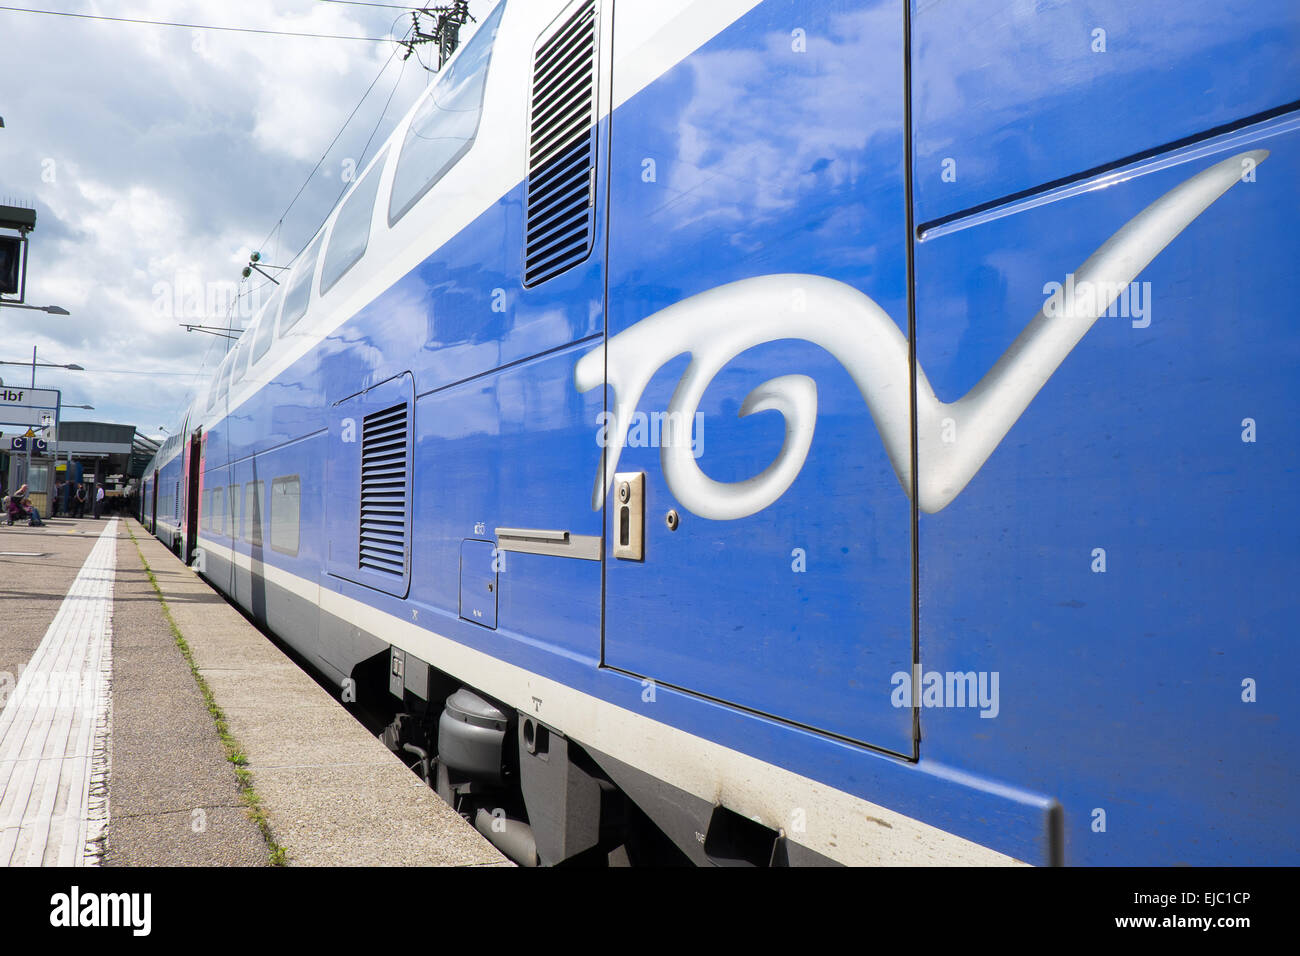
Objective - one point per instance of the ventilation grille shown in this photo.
(383, 491)
(562, 149)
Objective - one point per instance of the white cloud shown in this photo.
(156, 156)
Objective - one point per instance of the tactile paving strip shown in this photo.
(54, 728)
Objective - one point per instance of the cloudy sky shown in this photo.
(157, 158)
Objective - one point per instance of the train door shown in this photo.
(758, 429)
(153, 504)
(508, 504)
(1115, 284)
(193, 483)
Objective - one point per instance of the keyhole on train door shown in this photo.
(629, 492)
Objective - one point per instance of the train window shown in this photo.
(234, 511)
(253, 512)
(241, 364)
(221, 383)
(351, 232)
(213, 389)
(285, 505)
(298, 295)
(444, 127)
(265, 332)
(219, 511)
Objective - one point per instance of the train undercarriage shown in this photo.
(540, 797)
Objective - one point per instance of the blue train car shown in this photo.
(168, 494)
(799, 432)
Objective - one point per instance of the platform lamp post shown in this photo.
(52, 309)
(13, 250)
(13, 258)
(34, 365)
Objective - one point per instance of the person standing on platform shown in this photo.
(99, 501)
(79, 501)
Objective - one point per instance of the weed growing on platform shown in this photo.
(237, 758)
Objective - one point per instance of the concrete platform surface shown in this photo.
(333, 794)
(109, 753)
(174, 799)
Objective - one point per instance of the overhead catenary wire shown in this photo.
(275, 230)
(137, 371)
(369, 139)
(192, 26)
(366, 3)
(366, 95)
(382, 113)
(231, 322)
(360, 162)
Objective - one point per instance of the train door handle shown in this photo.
(629, 515)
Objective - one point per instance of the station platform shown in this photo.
(144, 721)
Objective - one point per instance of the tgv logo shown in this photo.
(954, 439)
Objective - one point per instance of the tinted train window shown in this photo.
(234, 511)
(219, 511)
(285, 505)
(298, 295)
(241, 360)
(253, 512)
(351, 232)
(266, 328)
(444, 127)
(215, 388)
(222, 382)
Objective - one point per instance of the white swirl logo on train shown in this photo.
(954, 439)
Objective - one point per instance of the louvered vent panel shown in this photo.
(562, 149)
(383, 491)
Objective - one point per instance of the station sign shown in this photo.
(28, 406)
(39, 445)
